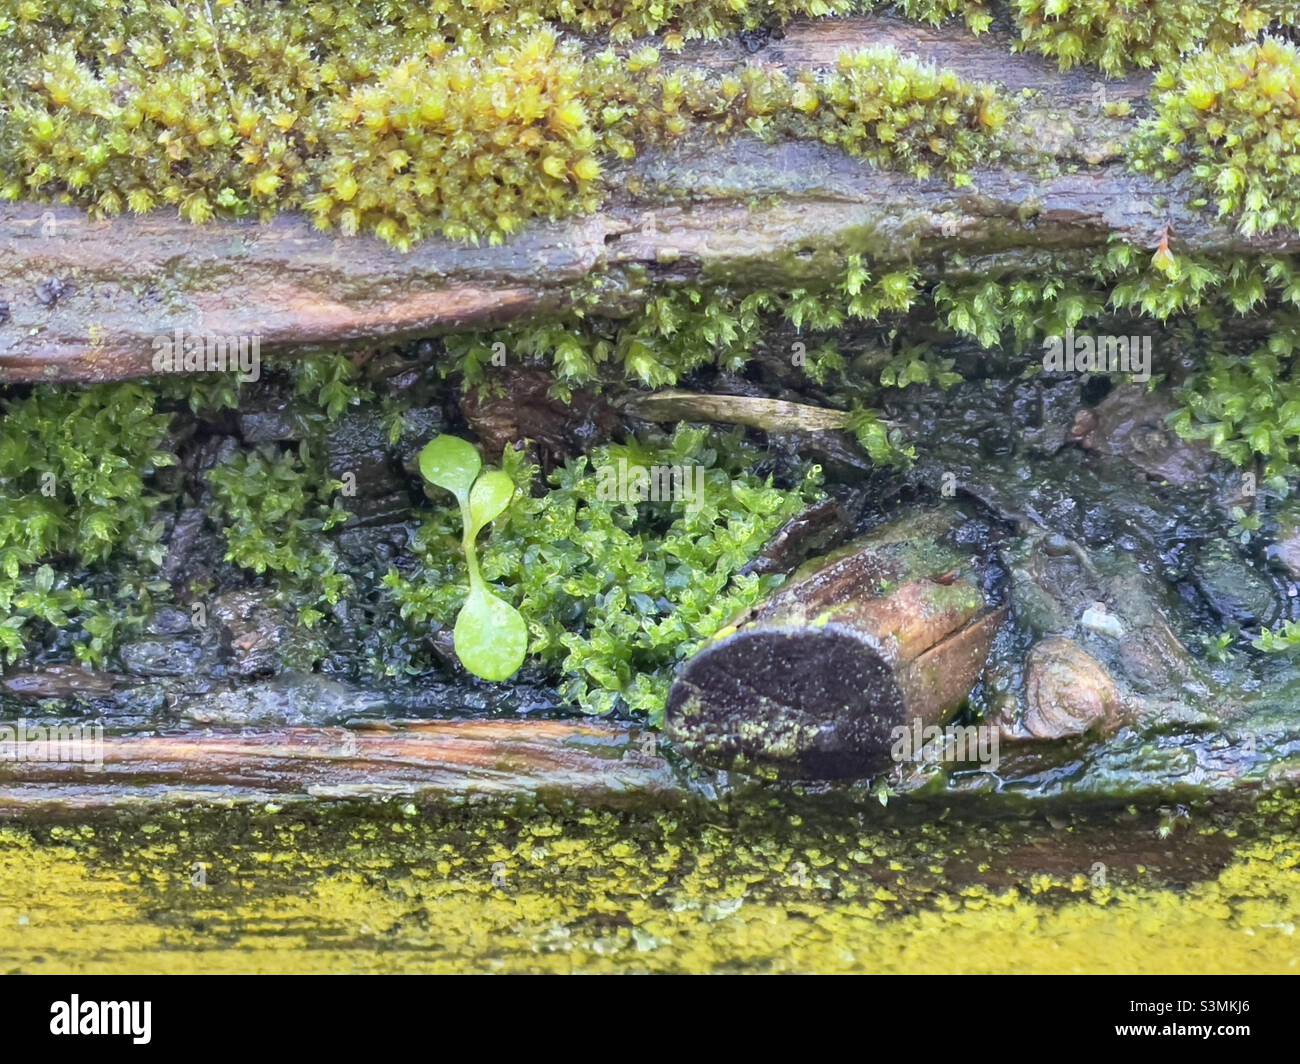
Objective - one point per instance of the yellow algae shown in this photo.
(737, 889)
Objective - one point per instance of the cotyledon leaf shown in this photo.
(491, 637)
(451, 463)
(489, 498)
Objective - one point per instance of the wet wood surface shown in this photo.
(88, 300)
(422, 761)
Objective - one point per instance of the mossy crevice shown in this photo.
(76, 488)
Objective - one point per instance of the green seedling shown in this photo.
(491, 636)
(1284, 640)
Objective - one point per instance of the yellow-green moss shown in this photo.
(467, 146)
(1117, 35)
(739, 889)
(408, 136)
(1233, 118)
(978, 14)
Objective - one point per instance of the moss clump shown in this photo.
(469, 147)
(140, 130)
(895, 111)
(1111, 34)
(680, 330)
(273, 506)
(684, 19)
(899, 113)
(409, 125)
(1233, 119)
(1117, 35)
(978, 14)
(74, 469)
(615, 592)
(401, 22)
(1248, 408)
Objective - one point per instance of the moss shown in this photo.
(469, 147)
(273, 507)
(1247, 408)
(736, 887)
(616, 592)
(76, 489)
(898, 112)
(1117, 35)
(682, 330)
(463, 134)
(677, 330)
(1233, 119)
(331, 383)
(977, 14)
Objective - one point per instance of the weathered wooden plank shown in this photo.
(421, 761)
(84, 300)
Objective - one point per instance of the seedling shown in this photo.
(1284, 640)
(491, 637)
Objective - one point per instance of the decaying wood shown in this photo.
(813, 682)
(768, 415)
(426, 761)
(84, 300)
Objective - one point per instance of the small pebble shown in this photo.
(1096, 619)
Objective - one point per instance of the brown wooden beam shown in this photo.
(84, 300)
(423, 761)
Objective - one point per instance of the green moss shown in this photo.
(904, 114)
(679, 330)
(1233, 119)
(615, 592)
(1248, 408)
(330, 383)
(1285, 639)
(978, 14)
(75, 470)
(412, 124)
(273, 506)
(1117, 35)
(470, 146)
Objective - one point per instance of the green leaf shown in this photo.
(491, 637)
(43, 580)
(450, 463)
(489, 498)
